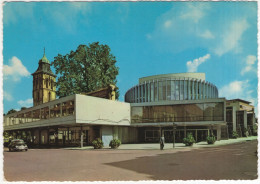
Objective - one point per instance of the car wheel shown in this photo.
(26, 149)
(10, 149)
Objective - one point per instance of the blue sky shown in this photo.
(147, 38)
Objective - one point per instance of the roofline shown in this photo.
(238, 99)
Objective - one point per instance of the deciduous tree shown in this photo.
(87, 69)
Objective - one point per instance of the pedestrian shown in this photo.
(162, 142)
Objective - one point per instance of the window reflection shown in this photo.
(179, 113)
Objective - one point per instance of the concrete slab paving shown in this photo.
(168, 146)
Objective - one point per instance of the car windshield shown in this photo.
(18, 142)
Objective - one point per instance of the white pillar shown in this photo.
(234, 118)
(245, 120)
(218, 132)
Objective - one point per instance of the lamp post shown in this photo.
(174, 130)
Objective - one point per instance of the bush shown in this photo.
(234, 134)
(115, 143)
(211, 139)
(189, 140)
(98, 143)
(246, 133)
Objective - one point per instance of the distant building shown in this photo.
(44, 89)
(168, 104)
(240, 116)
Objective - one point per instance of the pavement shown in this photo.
(169, 146)
(233, 159)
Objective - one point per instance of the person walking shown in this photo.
(162, 142)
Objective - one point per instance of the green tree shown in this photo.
(87, 69)
(11, 111)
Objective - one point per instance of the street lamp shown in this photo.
(174, 131)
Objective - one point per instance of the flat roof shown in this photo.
(199, 76)
(240, 100)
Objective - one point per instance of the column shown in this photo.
(185, 131)
(56, 136)
(192, 87)
(245, 120)
(234, 118)
(149, 92)
(68, 135)
(81, 137)
(39, 134)
(157, 90)
(189, 95)
(219, 132)
(32, 136)
(48, 135)
(141, 92)
(196, 135)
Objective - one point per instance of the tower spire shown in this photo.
(43, 50)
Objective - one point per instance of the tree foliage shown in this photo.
(87, 69)
(11, 111)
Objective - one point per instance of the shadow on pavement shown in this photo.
(197, 165)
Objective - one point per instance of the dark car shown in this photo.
(17, 145)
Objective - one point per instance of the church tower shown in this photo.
(44, 89)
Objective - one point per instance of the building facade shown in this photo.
(176, 104)
(44, 89)
(240, 117)
(172, 105)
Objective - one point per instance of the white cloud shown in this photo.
(7, 96)
(15, 70)
(250, 61)
(207, 35)
(231, 37)
(26, 103)
(192, 66)
(194, 12)
(167, 23)
(190, 25)
(14, 10)
(233, 89)
(239, 89)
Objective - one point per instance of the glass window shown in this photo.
(146, 92)
(45, 113)
(36, 115)
(193, 112)
(185, 88)
(208, 111)
(177, 92)
(173, 90)
(155, 91)
(152, 91)
(190, 89)
(168, 95)
(160, 90)
(140, 93)
(136, 114)
(181, 90)
(164, 90)
(179, 113)
(219, 112)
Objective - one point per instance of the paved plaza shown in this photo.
(227, 159)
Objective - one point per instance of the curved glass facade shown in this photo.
(171, 89)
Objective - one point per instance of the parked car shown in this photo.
(17, 145)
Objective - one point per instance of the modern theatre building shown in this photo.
(184, 102)
(169, 104)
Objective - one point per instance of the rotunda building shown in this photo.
(177, 86)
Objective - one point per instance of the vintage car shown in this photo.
(17, 145)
